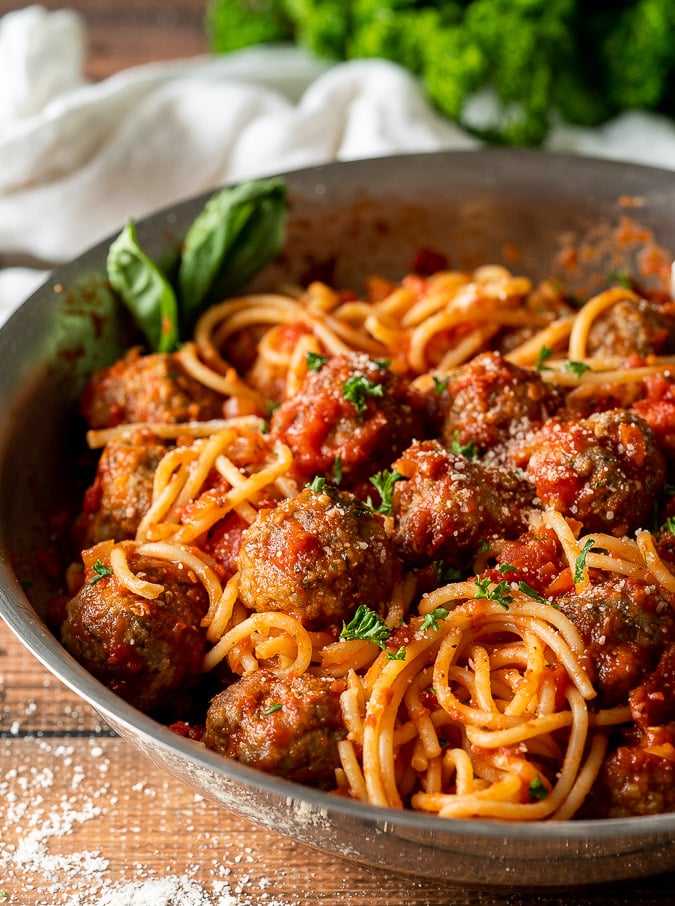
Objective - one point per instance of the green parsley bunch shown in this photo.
(580, 60)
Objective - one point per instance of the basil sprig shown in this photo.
(145, 290)
(239, 231)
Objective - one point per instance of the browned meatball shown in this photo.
(286, 726)
(318, 556)
(604, 471)
(450, 504)
(652, 703)
(635, 779)
(658, 410)
(147, 388)
(626, 625)
(491, 400)
(147, 651)
(352, 412)
(638, 777)
(632, 327)
(121, 492)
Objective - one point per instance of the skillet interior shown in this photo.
(347, 220)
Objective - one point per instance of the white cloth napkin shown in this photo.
(78, 159)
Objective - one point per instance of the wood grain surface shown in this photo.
(130, 32)
(84, 819)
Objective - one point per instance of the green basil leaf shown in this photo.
(145, 290)
(239, 230)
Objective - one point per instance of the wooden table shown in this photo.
(84, 819)
(129, 32)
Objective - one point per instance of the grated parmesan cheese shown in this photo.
(35, 863)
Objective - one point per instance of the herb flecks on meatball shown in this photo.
(632, 327)
(604, 471)
(287, 726)
(635, 779)
(317, 556)
(121, 492)
(353, 414)
(450, 504)
(626, 626)
(147, 651)
(491, 400)
(147, 388)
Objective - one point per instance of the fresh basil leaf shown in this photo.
(239, 230)
(144, 289)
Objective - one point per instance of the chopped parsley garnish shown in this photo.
(100, 572)
(577, 368)
(445, 573)
(430, 620)
(397, 655)
(365, 626)
(624, 280)
(382, 363)
(499, 592)
(468, 450)
(530, 592)
(440, 385)
(318, 485)
(537, 790)
(357, 388)
(384, 482)
(272, 709)
(315, 361)
(337, 470)
(669, 525)
(580, 563)
(545, 354)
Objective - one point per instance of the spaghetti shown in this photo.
(447, 634)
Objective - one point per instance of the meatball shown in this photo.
(317, 556)
(121, 492)
(352, 412)
(652, 703)
(491, 400)
(626, 626)
(450, 504)
(632, 327)
(287, 726)
(657, 408)
(147, 651)
(635, 779)
(604, 471)
(147, 388)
